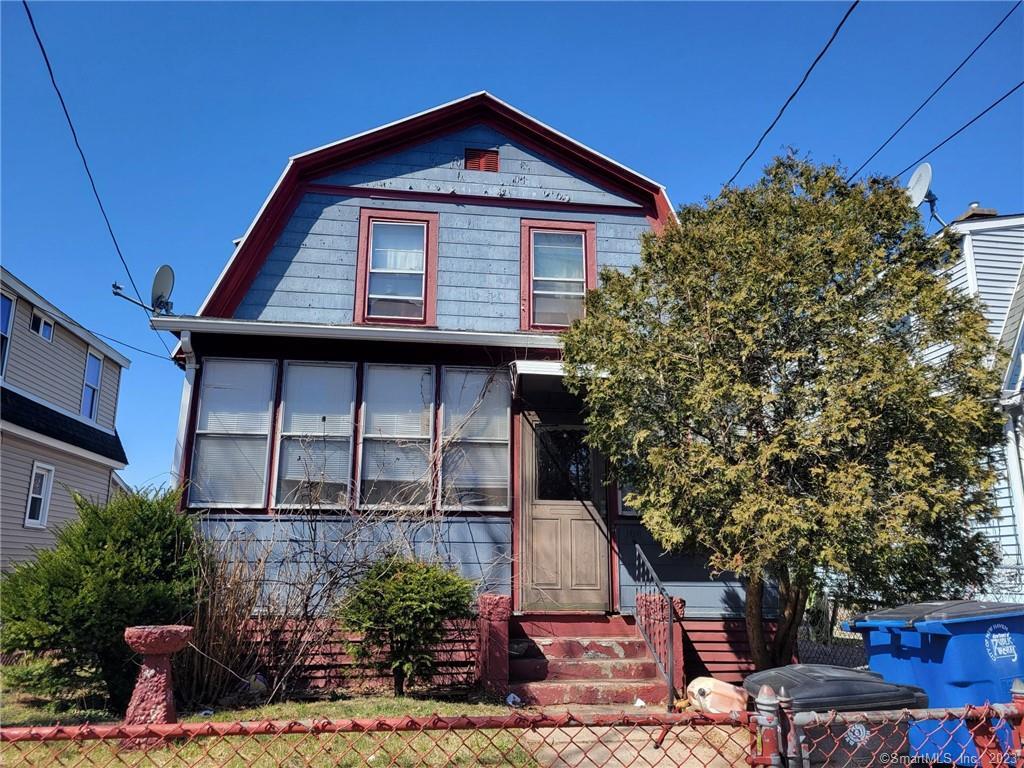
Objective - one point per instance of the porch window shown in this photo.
(559, 265)
(315, 459)
(475, 438)
(6, 318)
(229, 463)
(398, 415)
(91, 386)
(396, 271)
(39, 490)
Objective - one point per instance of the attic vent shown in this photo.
(481, 159)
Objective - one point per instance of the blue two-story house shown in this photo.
(386, 335)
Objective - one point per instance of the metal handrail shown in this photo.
(648, 583)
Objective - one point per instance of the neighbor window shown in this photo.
(6, 318)
(398, 410)
(39, 490)
(397, 266)
(229, 462)
(557, 270)
(91, 386)
(315, 458)
(42, 326)
(475, 404)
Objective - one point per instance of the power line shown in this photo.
(964, 127)
(129, 346)
(85, 163)
(932, 94)
(792, 96)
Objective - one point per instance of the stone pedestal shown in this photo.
(494, 614)
(153, 697)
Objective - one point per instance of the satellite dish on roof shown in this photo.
(919, 188)
(920, 184)
(163, 285)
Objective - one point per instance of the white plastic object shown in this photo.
(715, 696)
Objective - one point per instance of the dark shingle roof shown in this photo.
(28, 414)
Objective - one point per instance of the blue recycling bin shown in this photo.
(959, 651)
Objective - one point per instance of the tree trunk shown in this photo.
(759, 651)
(784, 643)
(399, 676)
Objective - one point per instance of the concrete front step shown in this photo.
(548, 693)
(596, 648)
(530, 670)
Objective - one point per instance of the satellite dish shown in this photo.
(920, 184)
(163, 284)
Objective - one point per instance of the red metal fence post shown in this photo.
(494, 612)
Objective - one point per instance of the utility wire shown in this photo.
(792, 96)
(129, 346)
(85, 163)
(932, 94)
(964, 127)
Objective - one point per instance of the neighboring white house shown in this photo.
(993, 270)
(59, 385)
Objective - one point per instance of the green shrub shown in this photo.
(129, 562)
(401, 607)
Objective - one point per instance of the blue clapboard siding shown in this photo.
(438, 166)
(684, 575)
(309, 275)
(480, 547)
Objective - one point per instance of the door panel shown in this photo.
(565, 537)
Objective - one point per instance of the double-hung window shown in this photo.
(397, 267)
(6, 319)
(39, 490)
(229, 462)
(91, 385)
(398, 416)
(315, 459)
(558, 268)
(475, 404)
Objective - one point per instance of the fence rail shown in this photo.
(986, 736)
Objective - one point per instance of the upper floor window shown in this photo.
(6, 319)
(91, 385)
(232, 437)
(42, 326)
(396, 273)
(315, 459)
(39, 490)
(558, 267)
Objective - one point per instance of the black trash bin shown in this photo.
(851, 741)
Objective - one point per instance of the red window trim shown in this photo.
(366, 217)
(526, 229)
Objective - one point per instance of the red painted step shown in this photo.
(546, 694)
(592, 647)
(572, 625)
(533, 670)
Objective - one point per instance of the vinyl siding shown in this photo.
(438, 166)
(309, 275)
(683, 575)
(998, 256)
(53, 371)
(70, 473)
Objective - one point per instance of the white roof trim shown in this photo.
(538, 368)
(994, 222)
(60, 445)
(241, 241)
(72, 326)
(177, 323)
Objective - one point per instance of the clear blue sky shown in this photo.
(188, 112)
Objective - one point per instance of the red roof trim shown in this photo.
(480, 108)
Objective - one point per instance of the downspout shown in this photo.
(1014, 468)
(191, 366)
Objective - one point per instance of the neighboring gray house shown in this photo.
(59, 405)
(993, 270)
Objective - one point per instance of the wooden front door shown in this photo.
(565, 534)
